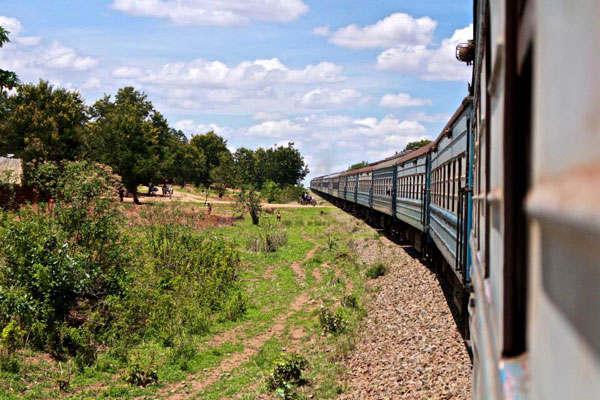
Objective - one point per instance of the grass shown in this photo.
(271, 286)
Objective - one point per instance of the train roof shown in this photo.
(466, 101)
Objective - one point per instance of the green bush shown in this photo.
(291, 193)
(183, 352)
(332, 322)
(267, 240)
(52, 262)
(12, 337)
(235, 308)
(10, 363)
(349, 301)
(286, 375)
(271, 192)
(376, 270)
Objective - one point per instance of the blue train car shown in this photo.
(351, 179)
(449, 166)
(335, 185)
(365, 186)
(384, 178)
(411, 188)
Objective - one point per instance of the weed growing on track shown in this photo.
(376, 270)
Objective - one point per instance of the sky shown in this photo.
(345, 80)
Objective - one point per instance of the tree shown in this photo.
(416, 145)
(3, 37)
(8, 79)
(224, 175)
(358, 165)
(251, 203)
(283, 165)
(44, 123)
(129, 135)
(184, 162)
(211, 145)
(245, 168)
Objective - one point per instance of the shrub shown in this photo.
(10, 363)
(52, 262)
(271, 192)
(376, 270)
(332, 322)
(235, 308)
(268, 240)
(183, 352)
(139, 376)
(287, 374)
(12, 337)
(331, 242)
(291, 193)
(349, 301)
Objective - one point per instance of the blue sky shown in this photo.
(345, 80)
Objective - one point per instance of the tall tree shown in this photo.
(245, 165)
(358, 165)
(212, 146)
(131, 136)
(184, 162)
(416, 145)
(44, 123)
(283, 165)
(8, 79)
(224, 175)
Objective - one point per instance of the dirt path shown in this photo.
(297, 266)
(197, 383)
(195, 198)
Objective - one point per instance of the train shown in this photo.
(505, 202)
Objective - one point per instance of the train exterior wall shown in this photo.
(448, 166)
(485, 307)
(383, 182)
(410, 204)
(563, 204)
(364, 189)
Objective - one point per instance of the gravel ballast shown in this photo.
(409, 346)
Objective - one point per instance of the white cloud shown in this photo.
(62, 57)
(215, 74)
(395, 30)
(189, 127)
(323, 98)
(41, 59)
(186, 125)
(266, 116)
(28, 40)
(428, 64)
(399, 100)
(435, 118)
(275, 129)
(127, 72)
(91, 83)
(11, 24)
(321, 31)
(214, 12)
(389, 126)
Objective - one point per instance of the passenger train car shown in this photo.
(506, 200)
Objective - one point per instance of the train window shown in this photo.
(453, 185)
(447, 184)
